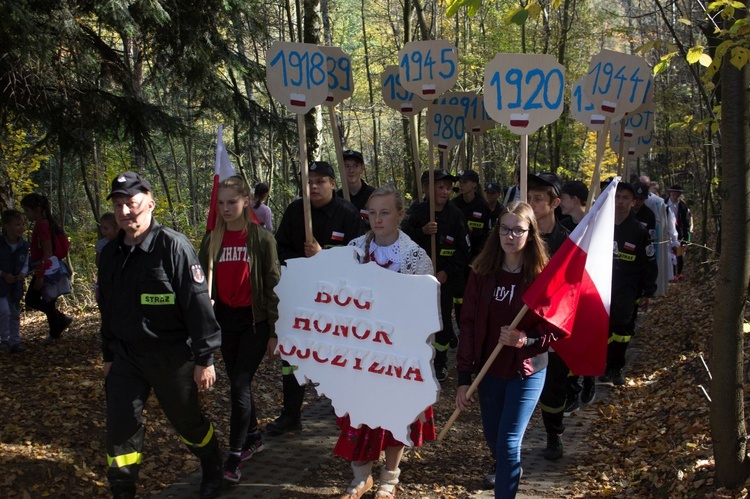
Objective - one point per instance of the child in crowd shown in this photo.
(243, 269)
(392, 249)
(49, 246)
(108, 229)
(14, 265)
(261, 209)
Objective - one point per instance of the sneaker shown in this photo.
(571, 405)
(554, 450)
(617, 378)
(4, 347)
(606, 377)
(253, 445)
(489, 479)
(589, 391)
(232, 467)
(17, 348)
(441, 373)
(283, 424)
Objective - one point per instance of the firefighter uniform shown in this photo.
(359, 200)
(334, 224)
(157, 324)
(453, 250)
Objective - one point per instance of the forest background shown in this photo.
(92, 88)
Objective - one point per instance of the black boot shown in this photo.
(284, 423)
(554, 450)
(212, 474)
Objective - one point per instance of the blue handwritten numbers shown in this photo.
(297, 75)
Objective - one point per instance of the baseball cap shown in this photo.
(548, 179)
(469, 175)
(641, 190)
(129, 184)
(493, 187)
(323, 168)
(440, 174)
(576, 188)
(350, 153)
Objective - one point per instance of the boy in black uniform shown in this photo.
(544, 197)
(335, 222)
(492, 191)
(158, 331)
(453, 253)
(643, 213)
(359, 191)
(634, 273)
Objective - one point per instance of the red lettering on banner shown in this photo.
(301, 356)
(385, 339)
(318, 359)
(357, 364)
(281, 350)
(398, 371)
(374, 368)
(339, 361)
(416, 372)
(323, 297)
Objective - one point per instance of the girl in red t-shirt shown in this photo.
(47, 240)
(242, 265)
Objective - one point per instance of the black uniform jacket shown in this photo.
(478, 219)
(154, 301)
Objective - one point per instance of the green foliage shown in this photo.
(21, 156)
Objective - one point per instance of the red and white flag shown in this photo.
(223, 169)
(574, 291)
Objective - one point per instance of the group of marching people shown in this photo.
(156, 293)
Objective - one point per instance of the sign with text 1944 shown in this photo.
(617, 83)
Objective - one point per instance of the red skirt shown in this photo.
(365, 443)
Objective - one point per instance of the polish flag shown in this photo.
(223, 169)
(337, 236)
(573, 292)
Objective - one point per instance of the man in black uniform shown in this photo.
(158, 331)
(634, 274)
(335, 222)
(643, 213)
(453, 252)
(359, 191)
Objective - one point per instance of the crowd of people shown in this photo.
(167, 309)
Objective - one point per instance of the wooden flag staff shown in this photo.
(303, 167)
(480, 376)
(601, 144)
(415, 154)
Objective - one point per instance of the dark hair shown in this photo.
(34, 201)
(108, 217)
(534, 184)
(9, 216)
(261, 189)
(535, 256)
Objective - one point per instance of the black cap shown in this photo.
(323, 168)
(641, 190)
(676, 188)
(440, 174)
(350, 153)
(624, 186)
(469, 175)
(576, 188)
(129, 184)
(493, 187)
(548, 179)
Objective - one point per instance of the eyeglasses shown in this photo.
(516, 231)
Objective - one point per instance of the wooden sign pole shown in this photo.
(480, 162)
(303, 167)
(431, 196)
(415, 154)
(339, 151)
(601, 144)
(620, 160)
(524, 167)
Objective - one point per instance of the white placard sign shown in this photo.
(472, 104)
(340, 81)
(297, 75)
(363, 333)
(583, 110)
(428, 68)
(397, 97)
(446, 126)
(524, 91)
(638, 125)
(617, 83)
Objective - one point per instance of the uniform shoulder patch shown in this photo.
(650, 251)
(197, 272)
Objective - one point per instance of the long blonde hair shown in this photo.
(217, 235)
(386, 190)
(535, 255)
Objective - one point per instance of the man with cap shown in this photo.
(492, 191)
(573, 198)
(335, 222)
(453, 252)
(682, 217)
(359, 191)
(544, 192)
(643, 213)
(158, 332)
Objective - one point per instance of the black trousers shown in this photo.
(444, 336)
(242, 347)
(294, 393)
(554, 395)
(35, 301)
(128, 386)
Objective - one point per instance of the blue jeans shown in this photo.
(10, 323)
(506, 406)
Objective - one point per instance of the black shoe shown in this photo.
(606, 377)
(489, 479)
(453, 343)
(123, 493)
(617, 378)
(212, 476)
(65, 322)
(441, 373)
(589, 391)
(283, 424)
(554, 450)
(571, 405)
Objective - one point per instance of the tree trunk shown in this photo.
(375, 159)
(728, 430)
(313, 119)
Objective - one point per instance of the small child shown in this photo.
(108, 229)
(14, 265)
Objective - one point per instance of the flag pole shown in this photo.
(415, 154)
(304, 179)
(481, 374)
